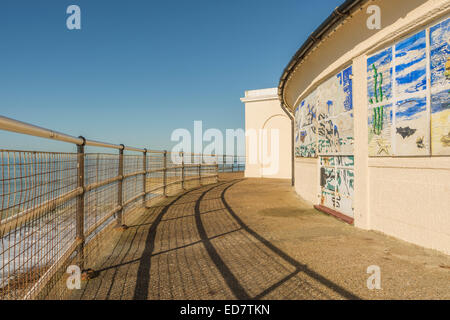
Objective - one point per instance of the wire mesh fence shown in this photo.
(55, 207)
(231, 163)
(37, 220)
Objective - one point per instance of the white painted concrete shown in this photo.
(263, 112)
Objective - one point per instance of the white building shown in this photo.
(368, 115)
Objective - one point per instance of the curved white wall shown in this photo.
(406, 197)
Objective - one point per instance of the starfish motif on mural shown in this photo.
(383, 147)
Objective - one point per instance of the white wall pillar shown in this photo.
(361, 150)
(263, 112)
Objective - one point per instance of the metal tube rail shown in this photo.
(175, 167)
(132, 174)
(155, 170)
(16, 126)
(25, 128)
(97, 185)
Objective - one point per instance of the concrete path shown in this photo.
(255, 239)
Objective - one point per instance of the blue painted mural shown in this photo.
(324, 119)
(411, 121)
(399, 121)
(379, 89)
(439, 53)
(305, 129)
(379, 76)
(410, 65)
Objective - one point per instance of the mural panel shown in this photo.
(337, 183)
(379, 89)
(380, 130)
(399, 122)
(330, 97)
(328, 186)
(345, 182)
(440, 88)
(411, 121)
(411, 129)
(307, 142)
(344, 191)
(440, 123)
(307, 111)
(343, 131)
(327, 161)
(327, 138)
(306, 128)
(410, 65)
(335, 116)
(327, 198)
(347, 162)
(347, 87)
(379, 77)
(440, 54)
(324, 119)
(328, 178)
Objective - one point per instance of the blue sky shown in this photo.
(139, 69)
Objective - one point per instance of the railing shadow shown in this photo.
(203, 250)
(298, 266)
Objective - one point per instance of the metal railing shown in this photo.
(56, 207)
(231, 163)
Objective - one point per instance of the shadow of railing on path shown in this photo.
(202, 249)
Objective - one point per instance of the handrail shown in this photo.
(17, 126)
(12, 125)
(25, 128)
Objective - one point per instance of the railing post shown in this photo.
(120, 223)
(217, 168)
(144, 168)
(165, 173)
(224, 159)
(182, 170)
(200, 169)
(80, 205)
